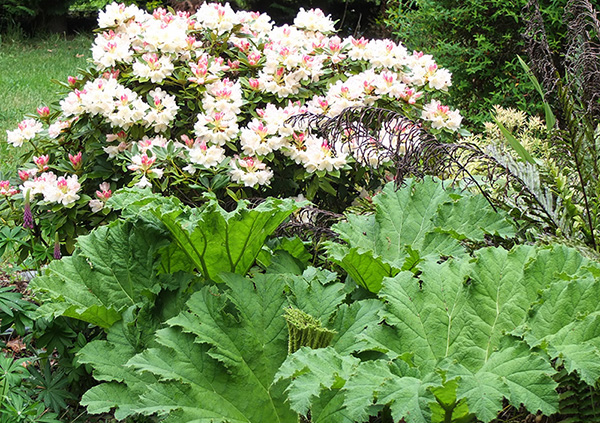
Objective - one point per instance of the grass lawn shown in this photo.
(26, 70)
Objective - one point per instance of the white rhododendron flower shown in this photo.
(63, 190)
(205, 155)
(441, 116)
(162, 111)
(314, 20)
(115, 15)
(219, 92)
(26, 130)
(250, 171)
(110, 49)
(153, 67)
(216, 16)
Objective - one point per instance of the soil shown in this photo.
(11, 278)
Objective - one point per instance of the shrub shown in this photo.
(478, 41)
(555, 165)
(189, 104)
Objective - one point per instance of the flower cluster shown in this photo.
(179, 100)
(7, 190)
(240, 90)
(54, 189)
(27, 130)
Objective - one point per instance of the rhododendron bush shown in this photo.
(192, 103)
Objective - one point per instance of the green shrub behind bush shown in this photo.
(478, 40)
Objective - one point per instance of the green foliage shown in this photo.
(420, 221)
(216, 241)
(17, 403)
(116, 266)
(113, 269)
(15, 311)
(579, 402)
(452, 337)
(220, 355)
(478, 41)
(557, 189)
(452, 320)
(22, 13)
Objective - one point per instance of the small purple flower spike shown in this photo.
(27, 216)
(57, 254)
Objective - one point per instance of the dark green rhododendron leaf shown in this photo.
(113, 268)
(423, 220)
(217, 241)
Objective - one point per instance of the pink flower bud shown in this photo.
(111, 74)
(6, 189)
(187, 140)
(42, 162)
(253, 58)
(75, 160)
(72, 80)
(24, 175)
(443, 109)
(104, 193)
(254, 83)
(147, 162)
(335, 44)
(362, 43)
(44, 111)
(62, 184)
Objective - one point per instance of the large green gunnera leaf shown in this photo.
(420, 221)
(566, 323)
(112, 268)
(459, 312)
(216, 361)
(453, 320)
(215, 241)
